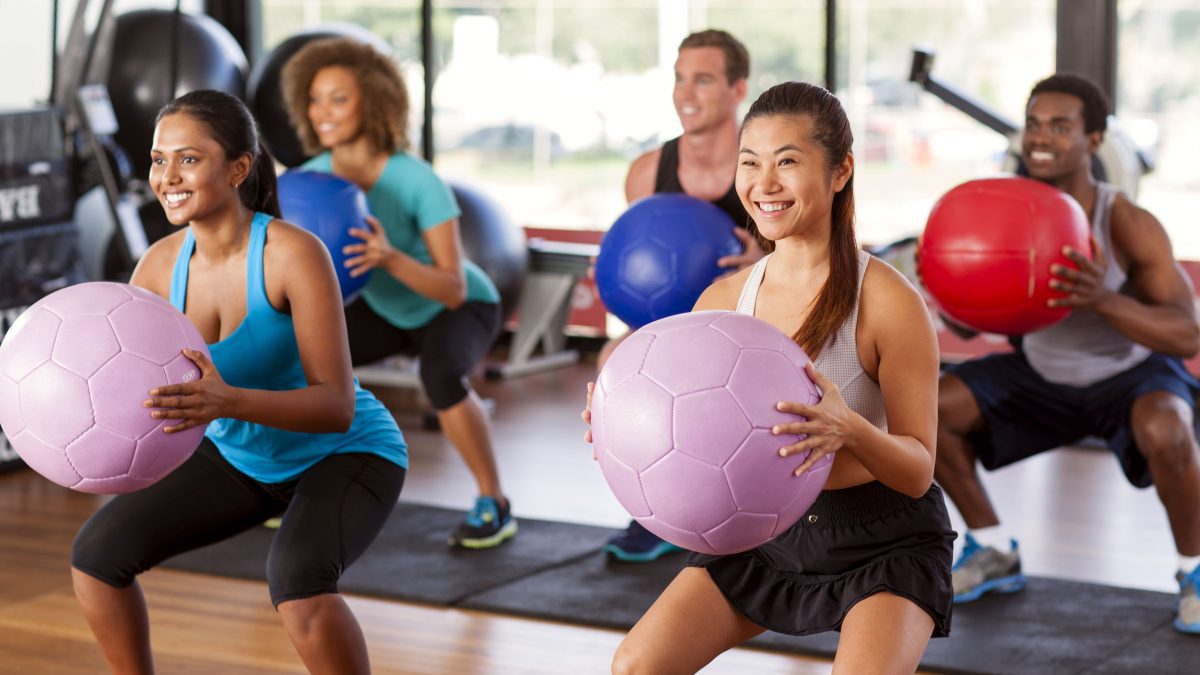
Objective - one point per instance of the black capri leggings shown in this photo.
(331, 513)
(449, 345)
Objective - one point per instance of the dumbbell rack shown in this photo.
(554, 269)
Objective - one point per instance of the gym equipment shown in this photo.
(681, 420)
(158, 55)
(264, 94)
(660, 255)
(39, 240)
(555, 268)
(986, 252)
(493, 242)
(74, 371)
(328, 206)
(1118, 160)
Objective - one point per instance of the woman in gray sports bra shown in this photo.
(871, 558)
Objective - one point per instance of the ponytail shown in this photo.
(260, 190)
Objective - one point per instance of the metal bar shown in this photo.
(831, 45)
(428, 63)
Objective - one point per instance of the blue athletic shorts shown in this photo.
(1024, 414)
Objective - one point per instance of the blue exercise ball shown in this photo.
(328, 206)
(660, 255)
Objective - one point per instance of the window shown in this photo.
(543, 103)
(1158, 102)
(26, 53)
(911, 147)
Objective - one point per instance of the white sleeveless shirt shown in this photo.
(1083, 348)
(838, 359)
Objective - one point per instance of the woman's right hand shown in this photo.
(374, 251)
(587, 417)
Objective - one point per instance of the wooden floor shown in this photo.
(1074, 514)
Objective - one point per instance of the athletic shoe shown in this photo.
(486, 525)
(986, 569)
(1188, 618)
(637, 544)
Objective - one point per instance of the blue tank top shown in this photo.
(261, 353)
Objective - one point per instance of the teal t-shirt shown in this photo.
(408, 199)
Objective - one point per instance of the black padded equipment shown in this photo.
(265, 97)
(159, 55)
(493, 242)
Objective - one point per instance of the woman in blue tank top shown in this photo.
(290, 431)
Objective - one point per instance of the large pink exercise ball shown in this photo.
(681, 418)
(74, 370)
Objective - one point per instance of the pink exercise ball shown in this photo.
(74, 370)
(681, 419)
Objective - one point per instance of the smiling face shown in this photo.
(189, 172)
(703, 98)
(783, 178)
(1055, 145)
(335, 106)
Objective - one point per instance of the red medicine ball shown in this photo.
(987, 249)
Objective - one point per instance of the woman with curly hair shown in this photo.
(349, 105)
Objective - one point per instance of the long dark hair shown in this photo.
(831, 132)
(234, 128)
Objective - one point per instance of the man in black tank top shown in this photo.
(667, 180)
(710, 83)
(1113, 369)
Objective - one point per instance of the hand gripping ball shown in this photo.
(328, 206)
(681, 420)
(74, 370)
(660, 255)
(986, 252)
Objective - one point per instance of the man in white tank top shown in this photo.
(1113, 368)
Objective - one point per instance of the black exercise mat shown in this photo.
(1053, 626)
(555, 571)
(410, 559)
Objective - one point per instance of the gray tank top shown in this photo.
(1083, 348)
(838, 359)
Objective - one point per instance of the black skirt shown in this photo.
(851, 544)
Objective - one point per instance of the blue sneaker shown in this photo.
(1188, 618)
(487, 524)
(637, 544)
(986, 569)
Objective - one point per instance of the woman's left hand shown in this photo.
(374, 252)
(198, 402)
(828, 428)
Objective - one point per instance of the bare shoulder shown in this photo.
(724, 292)
(157, 264)
(888, 293)
(639, 181)
(284, 238)
(1129, 218)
